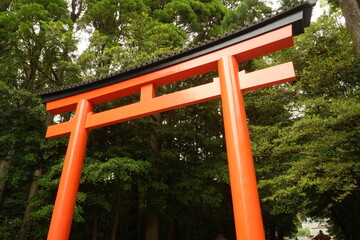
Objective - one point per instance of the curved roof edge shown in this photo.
(298, 15)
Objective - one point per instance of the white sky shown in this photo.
(318, 10)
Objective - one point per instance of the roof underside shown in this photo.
(298, 16)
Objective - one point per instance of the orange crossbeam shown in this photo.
(59, 130)
(229, 87)
(150, 105)
(266, 43)
(267, 77)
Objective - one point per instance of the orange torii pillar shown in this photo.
(229, 87)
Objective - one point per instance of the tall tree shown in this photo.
(319, 142)
(166, 175)
(37, 43)
(351, 12)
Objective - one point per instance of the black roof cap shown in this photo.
(298, 15)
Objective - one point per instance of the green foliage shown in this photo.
(244, 13)
(111, 16)
(304, 134)
(325, 147)
(303, 232)
(144, 39)
(115, 169)
(315, 154)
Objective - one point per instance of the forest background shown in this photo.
(166, 176)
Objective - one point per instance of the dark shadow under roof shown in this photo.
(298, 15)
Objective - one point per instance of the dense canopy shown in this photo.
(166, 176)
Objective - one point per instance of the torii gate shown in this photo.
(222, 54)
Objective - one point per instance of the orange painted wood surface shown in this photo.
(249, 49)
(62, 216)
(150, 104)
(246, 203)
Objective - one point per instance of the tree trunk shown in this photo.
(153, 215)
(280, 232)
(34, 188)
(351, 12)
(95, 228)
(270, 231)
(116, 217)
(76, 10)
(3, 173)
(154, 142)
(115, 225)
(4, 5)
(188, 229)
(141, 213)
(347, 216)
(152, 225)
(4, 165)
(171, 233)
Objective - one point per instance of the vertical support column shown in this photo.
(70, 177)
(246, 204)
(147, 92)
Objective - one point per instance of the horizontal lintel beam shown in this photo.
(266, 77)
(248, 81)
(266, 43)
(59, 130)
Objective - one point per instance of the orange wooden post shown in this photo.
(70, 178)
(246, 205)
